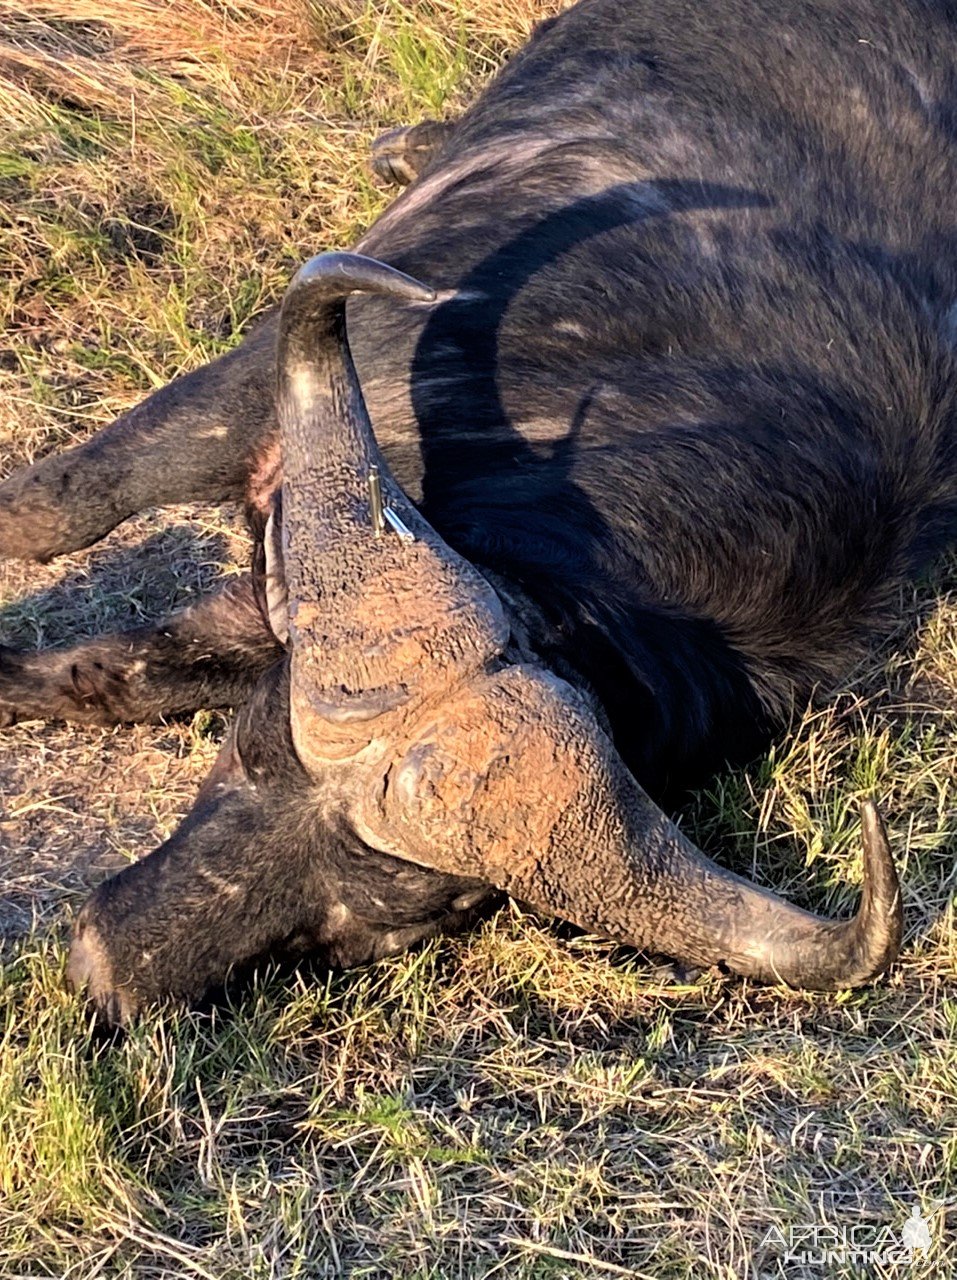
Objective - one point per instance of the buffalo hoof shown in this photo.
(90, 972)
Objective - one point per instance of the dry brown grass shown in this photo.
(179, 35)
(517, 1103)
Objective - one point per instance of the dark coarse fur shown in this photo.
(695, 389)
(700, 402)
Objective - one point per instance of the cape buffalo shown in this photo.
(665, 425)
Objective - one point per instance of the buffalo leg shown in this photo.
(400, 155)
(197, 439)
(200, 438)
(207, 655)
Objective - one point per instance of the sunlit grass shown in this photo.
(518, 1102)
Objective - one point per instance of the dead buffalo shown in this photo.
(666, 425)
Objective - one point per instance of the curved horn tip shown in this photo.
(810, 953)
(871, 941)
(340, 274)
(881, 884)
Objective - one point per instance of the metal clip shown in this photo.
(381, 514)
(403, 530)
(375, 503)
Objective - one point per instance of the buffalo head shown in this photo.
(405, 761)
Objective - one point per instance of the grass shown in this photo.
(519, 1102)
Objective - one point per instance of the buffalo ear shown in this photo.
(269, 571)
(276, 596)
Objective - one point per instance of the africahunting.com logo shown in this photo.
(826, 1244)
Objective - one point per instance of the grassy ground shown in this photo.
(518, 1102)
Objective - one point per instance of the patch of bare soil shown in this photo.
(78, 803)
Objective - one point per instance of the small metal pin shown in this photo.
(383, 515)
(375, 503)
